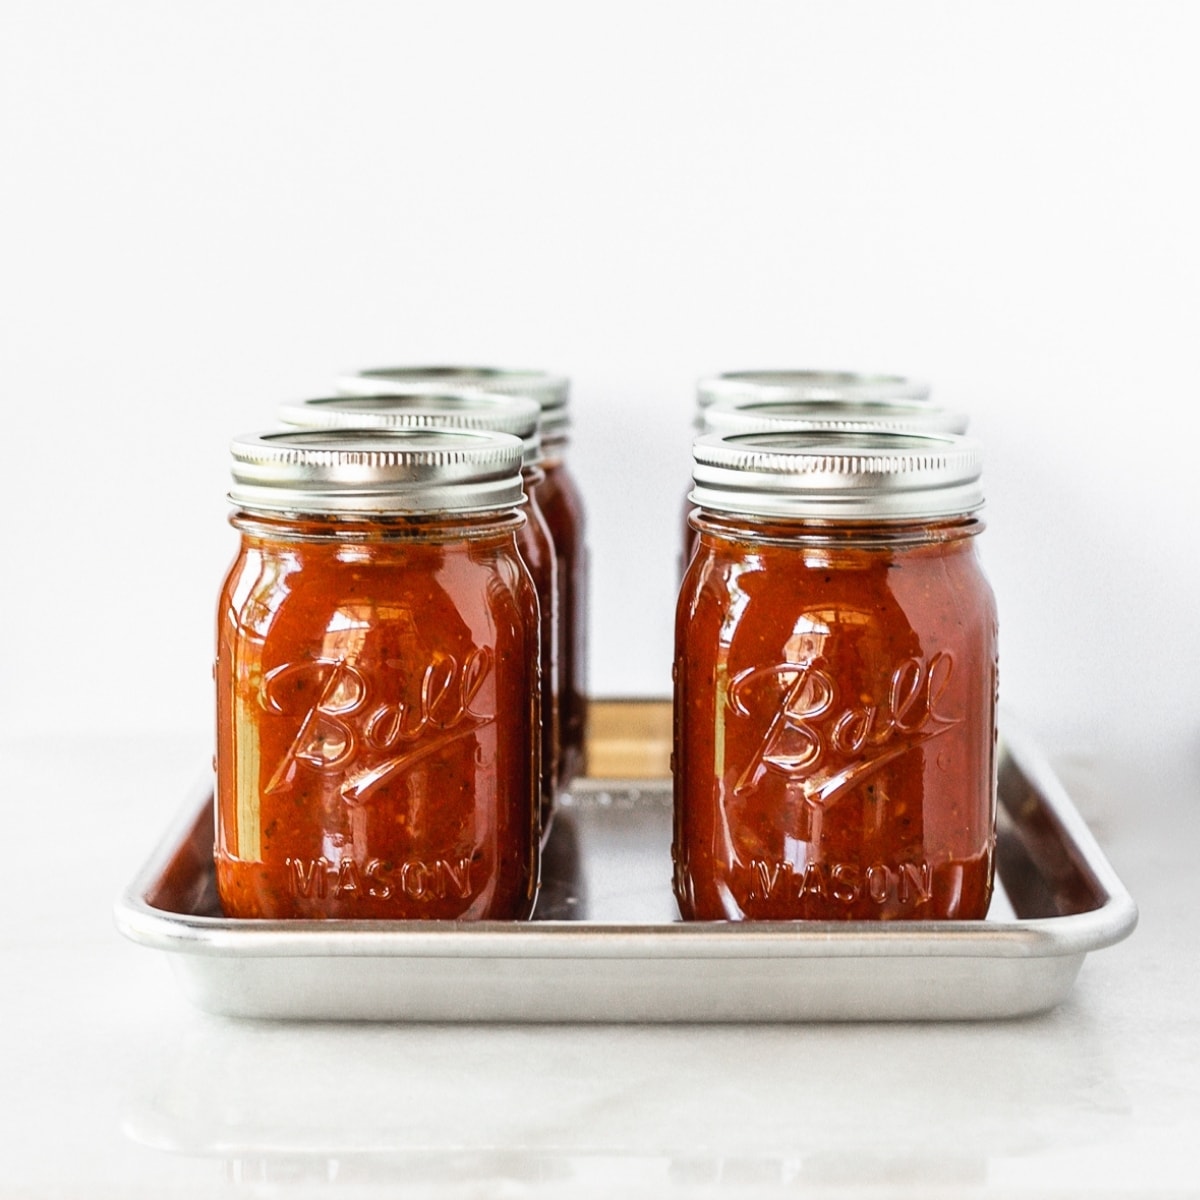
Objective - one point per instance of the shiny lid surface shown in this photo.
(516, 415)
(846, 475)
(385, 471)
(752, 414)
(809, 385)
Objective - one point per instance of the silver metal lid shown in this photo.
(851, 386)
(750, 415)
(376, 471)
(550, 391)
(815, 475)
(467, 409)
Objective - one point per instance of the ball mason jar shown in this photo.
(835, 681)
(377, 680)
(514, 415)
(561, 503)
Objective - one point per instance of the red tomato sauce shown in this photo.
(378, 701)
(834, 723)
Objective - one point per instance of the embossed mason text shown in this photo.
(413, 879)
(909, 883)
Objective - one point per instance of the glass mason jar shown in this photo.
(377, 680)
(514, 415)
(835, 681)
(561, 503)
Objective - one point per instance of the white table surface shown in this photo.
(112, 1085)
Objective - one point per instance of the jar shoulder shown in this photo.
(467, 588)
(745, 591)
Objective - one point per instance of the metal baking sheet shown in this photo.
(606, 943)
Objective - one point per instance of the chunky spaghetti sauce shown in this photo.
(835, 687)
(378, 702)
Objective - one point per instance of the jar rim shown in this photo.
(405, 408)
(810, 384)
(376, 471)
(837, 475)
(749, 414)
(548, 388)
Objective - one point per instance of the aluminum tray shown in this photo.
(606, 943)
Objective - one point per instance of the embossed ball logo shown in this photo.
(346, 729)
(823, 744)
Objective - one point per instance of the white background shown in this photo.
(207, 209)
